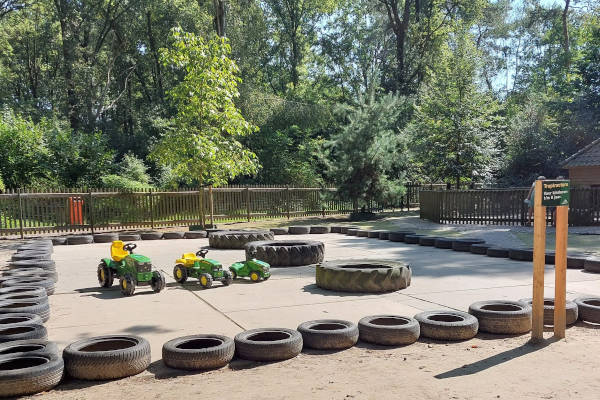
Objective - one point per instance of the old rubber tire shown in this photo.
(502, 316)
(205, 280)
(320, 229)
(28, 346)
(37, 306)
(80, 239)
(335, 229)
(373, 234)
(576, 261)
(497, 252)
(398, 236)
(227, 278)
(443, 243)
(151, 235)
(384, 235)
(363, 276)
(447, 325)
(173, 235)
(105, 237)
(23, 272)
(588, 308)
(59, 241)
(571, 310)
(362, 233)
(46, 283)
(23, 332)
(521, 254)
(328, 334)
(389, 330)
(31, 255)
(41, 246)
(427, 240)
(412, 239)
(23, 297)
(44, 264)
(344, 229)
(34, 290)
(480, 248)
(352, 232)
(198, 352)
(279, 231)
(195, 235)
(268, 344)
(130, 237)
(180, 273)
(158, 282)
(299, 230)
(592, 264)
(237, 239)
(29, 373)
(286, 253)
(107, 357)
(465, 244)
(8, 320)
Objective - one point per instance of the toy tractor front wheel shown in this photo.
(105, 276)
(206, 280)
(158, 281)
(233, 273)
(254, 277)
(127, 285)
(180, 273)
(227, 278)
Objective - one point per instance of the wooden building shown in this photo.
(584, 166)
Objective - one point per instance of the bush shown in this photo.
(134, 169)
(2, 188)
(122, 183)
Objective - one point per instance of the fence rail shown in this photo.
(502, 206)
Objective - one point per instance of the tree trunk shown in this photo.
(154, 50)
(68, 52)
(219, 19)
(565, 27)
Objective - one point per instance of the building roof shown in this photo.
(587, 157)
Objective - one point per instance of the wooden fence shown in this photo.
(501, 206)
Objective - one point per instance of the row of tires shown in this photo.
(126, 237)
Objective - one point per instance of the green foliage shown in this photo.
(134, 169)
(202, 142)
(368, 156)
(122, 183)
(2, 187)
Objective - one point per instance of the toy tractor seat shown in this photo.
(187, 259)
(117, 252)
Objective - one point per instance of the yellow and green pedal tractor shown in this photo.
(131, 269)
(201, 268)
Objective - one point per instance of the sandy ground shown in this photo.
(487, 367)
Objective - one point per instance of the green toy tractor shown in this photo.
(131, 269)
(201, 268)
(253, 268)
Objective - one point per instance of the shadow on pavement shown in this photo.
(314, 289)
(111, 293)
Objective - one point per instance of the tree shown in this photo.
(202, 141)
(369, 148)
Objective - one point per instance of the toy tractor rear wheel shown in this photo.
(206, 280)
(105, 276)
(180, 273)
(227, 278)
(254, 277)
(233, 273)
(158, 281)
(127, 285)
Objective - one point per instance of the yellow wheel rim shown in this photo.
(102, 277)
(178, 273)
(203, 280)
(124, 284)
(254, 276)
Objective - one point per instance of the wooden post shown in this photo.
(212, 209)
(560, 272)
(20, 213)
(151, 198)
(287, 200)
(91, 208)
(539, 261)
(248, 208)
(202, 213)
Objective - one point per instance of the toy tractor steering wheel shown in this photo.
(201, 253)
(130, 247)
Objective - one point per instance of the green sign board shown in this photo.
(555, 193)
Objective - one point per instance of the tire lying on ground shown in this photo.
(465, 244)
(398, 236)
(588, 308)
(412, 239)
(521, 254)
(299, 230)
(268, 344)
(42, 246)
(107, 357)
(286, 253)
(427, 240)
(46, 283)
(335, 229)
(195, 235)
(28, 346)
(23, 332)
(44, 264)
(363, 276)
(105, 237)
(480, 248)
(59, 241)
(237, 239)
(31, 255)
(592, 264)
(37, 306)
(352, 232)
(24, 272)
(8, 320)
(279, 231)
(443, 243)
(497, 252)
(384, 235)
(32, 290)
(23, 297)
(373, 234)
(29, 373)
(151, 235)
(362, 233)
(570, 309)
(328, 334)
(344, 229)
(173, 235)
(389, 330)
(502, 316)
(447, 325)
(80, 239)
(130, 237)
(320, 229)
(576, 261)
(198, 352)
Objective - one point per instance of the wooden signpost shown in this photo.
(550, 193)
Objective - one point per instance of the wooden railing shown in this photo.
(502, 206)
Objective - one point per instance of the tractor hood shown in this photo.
(214, 263)
(261, 263)
(140, 258)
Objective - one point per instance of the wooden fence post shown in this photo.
(287, 200)
(560, 271)
(20, 213)
(248, 207)
(91, 208)
(539, 255)
(151, 209)
(212, 209)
